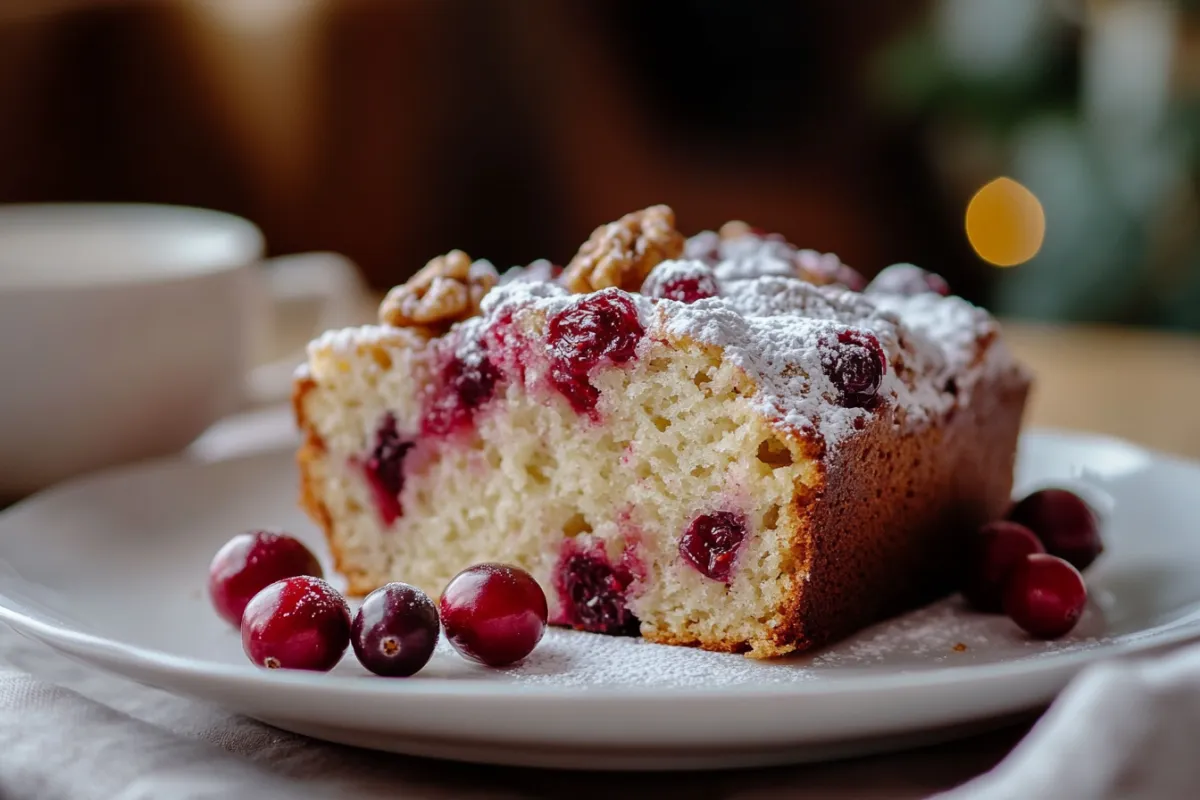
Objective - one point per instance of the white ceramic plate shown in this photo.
(111, 569)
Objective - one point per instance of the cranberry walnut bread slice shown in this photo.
(733, 457)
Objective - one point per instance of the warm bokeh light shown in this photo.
(1005, 223)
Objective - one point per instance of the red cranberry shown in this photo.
(466, 384)
(856, 366)
(297, 623)
(591, 592)
(385, 469)
(395, 630)
(600, 328)
(1045, 596)
(996, 550)
(686, 288)
(494, 614)
(908, 280)
(1065, 524)
(711, 543)
(248, 563)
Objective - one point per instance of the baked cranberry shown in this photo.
(1045, 595)
(711, 543)
(297, 623)
(994, 552)
(466, 384)
(395, 630)
(1064, 522)
(385, 469)
(248, 563)
(494, 614)
(602, 328)
(686, 288)
(591, 592)
(855, 364)
(908, 280)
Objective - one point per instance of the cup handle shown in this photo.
(329, 280)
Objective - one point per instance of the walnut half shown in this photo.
(447, 290)
(622, 253)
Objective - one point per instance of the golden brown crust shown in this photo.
(622, 253)
(882, 534)
(308, 459)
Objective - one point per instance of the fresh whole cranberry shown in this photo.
(297, 623)
(251, 561)
(395, 630)
(711, 543)
(592, 593)
(1066, 525)
(466, 384)
(856, 366)
(908, 280)
(600, 328)
(385, 469)
(995, 551)
(1045, 595)
(494, 614)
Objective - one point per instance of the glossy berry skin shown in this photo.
(1045, 596)
(298, 623)
(395, 630)
(993, 553)
(494, 614)
(711, 543)
(908, 280)
(602, 328)
(855, 364)
(1065, 524)
(248, 563)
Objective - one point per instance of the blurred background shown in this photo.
(1044, 155)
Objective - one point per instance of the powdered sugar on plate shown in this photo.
(941, 635)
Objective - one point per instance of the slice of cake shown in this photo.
(714, 442)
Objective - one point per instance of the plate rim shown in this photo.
(111, 651)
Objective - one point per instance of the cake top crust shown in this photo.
(806, 329)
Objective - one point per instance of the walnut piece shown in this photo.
(447, 290)
(622, 253)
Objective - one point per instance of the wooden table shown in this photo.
(1135, 384)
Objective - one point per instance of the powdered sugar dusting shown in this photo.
(941, 635)
(780, 331)
(669, 273)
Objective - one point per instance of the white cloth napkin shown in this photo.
(1120, 730)
(69, 732)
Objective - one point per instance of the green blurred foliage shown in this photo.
(1123, 228)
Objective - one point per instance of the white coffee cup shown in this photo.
(126, 330)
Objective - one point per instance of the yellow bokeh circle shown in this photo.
(1005, 223)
